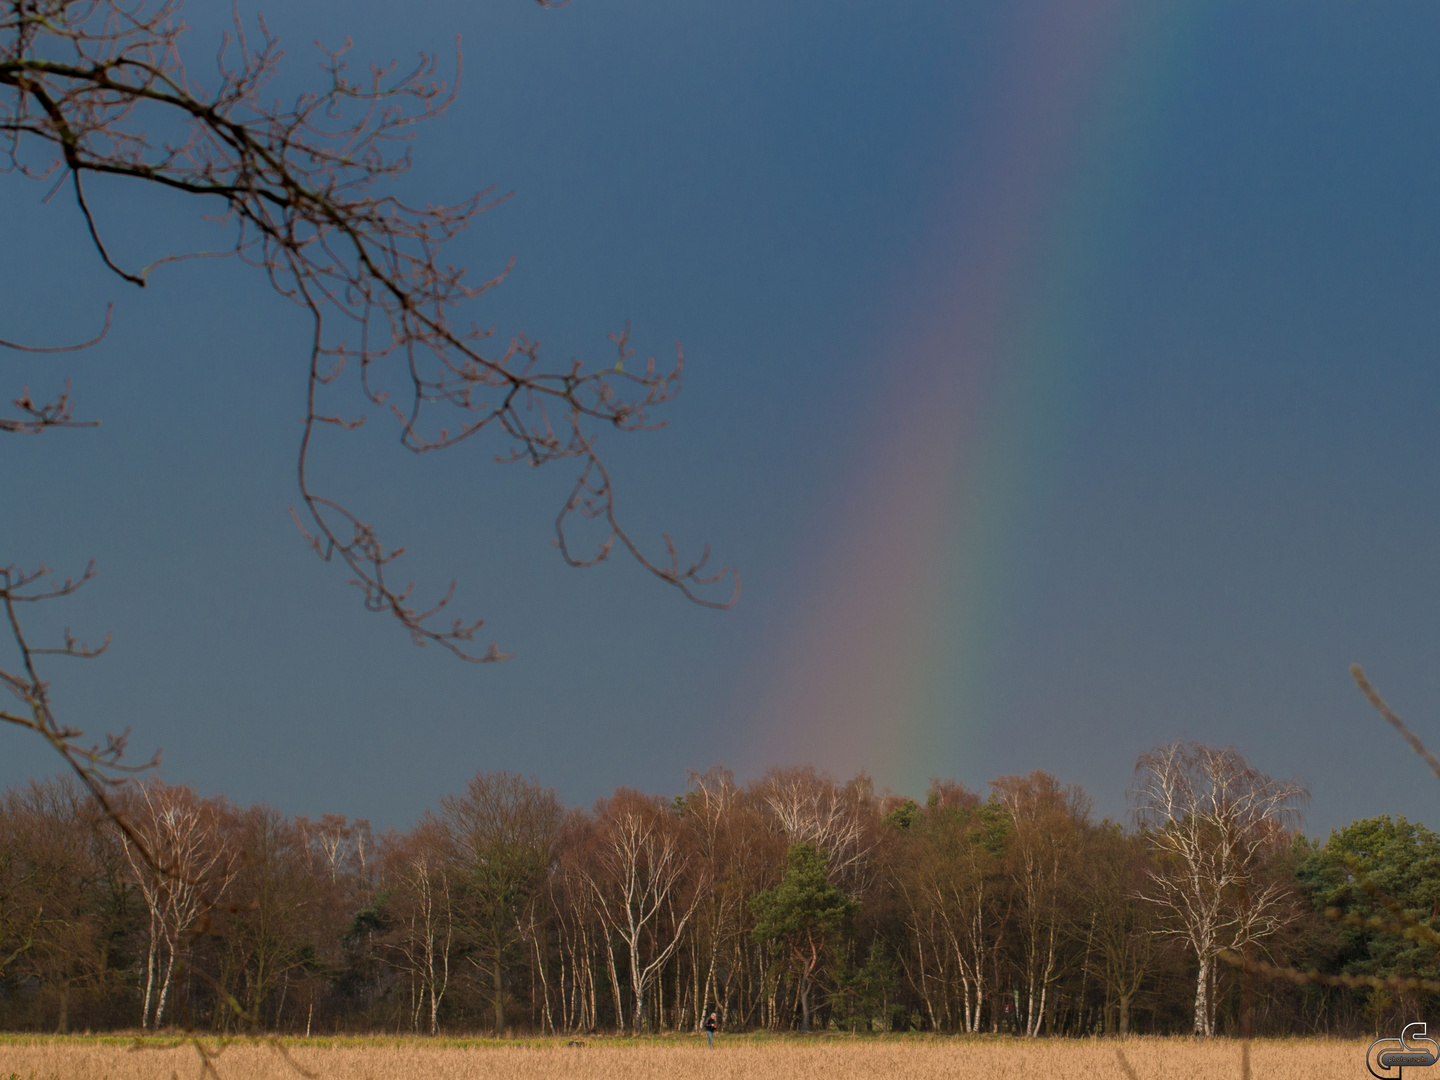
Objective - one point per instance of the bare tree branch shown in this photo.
(1373, 696)
(82, 85)
(299, 185)
(109, 309)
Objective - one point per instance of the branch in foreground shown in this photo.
(109, 309)
(300, 185)
(1301, 978)
(82, 81)
(99, 768)
(1373, 696)
(1402, 923)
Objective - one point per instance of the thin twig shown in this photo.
(1394, 721)
(109, 308)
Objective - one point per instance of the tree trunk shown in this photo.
(498, 988)
(615, 986)
(279, 1009)
(149, 975)
(62, 1022)
(590, 984)
(547, 1017)
(1124, 1015)
(1202, 999)
(772, 1004)
(1039, 1013)
(164, 990)
(1032, 1013)
(638, 1021)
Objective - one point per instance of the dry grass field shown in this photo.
(734, 1058)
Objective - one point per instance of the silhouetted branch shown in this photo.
(1373, 696)
(299, 184)
(81, 84)
(109, 308)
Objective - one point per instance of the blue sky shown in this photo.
(1237, 497)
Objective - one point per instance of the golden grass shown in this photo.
(734, 1058)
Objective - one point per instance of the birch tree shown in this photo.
(1045, 827)
(812, 809)
(578, 923)
(193, 871)
(422, 939)
(961, 879)
(638, 880)
(1213, 820)
(738, 853)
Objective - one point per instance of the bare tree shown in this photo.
(638, 882)
(423, 939)
(1045, 826)
(334, 839)
(181, 833)
(813, 809)
(275, 906)
(579, 925)
(52, 863)
(1122, 936)
(85, 83)
(501, 833)
(21, 882)
(723, 822)
(1213, 820)
(960, 885)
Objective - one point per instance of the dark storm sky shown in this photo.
(1237, 496)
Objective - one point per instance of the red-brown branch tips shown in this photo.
(82, 85)
(81, 81)
(99, 768)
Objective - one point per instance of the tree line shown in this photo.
(794, 902)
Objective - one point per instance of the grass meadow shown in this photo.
(672, 1058)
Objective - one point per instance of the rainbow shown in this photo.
(884, 666)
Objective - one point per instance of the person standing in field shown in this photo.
(711, 1026)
